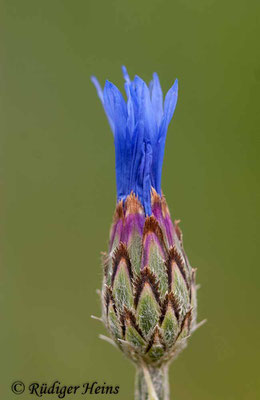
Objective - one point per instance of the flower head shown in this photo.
(149, 291)
(139, 126)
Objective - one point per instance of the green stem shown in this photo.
(152, 383)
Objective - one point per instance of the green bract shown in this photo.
(149, 292)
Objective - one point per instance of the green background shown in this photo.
(58, 184)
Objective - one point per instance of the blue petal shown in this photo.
(139, 127)
(137, 155)
(98, 88)
(115, 107)
(101, 96)
(149, 116)
(157, 99)
(147, 179)
(113, 96)
(125, 74)
(170, 103)
(130, 110)
(145, 109)
(169, 107)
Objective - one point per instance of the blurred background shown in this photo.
(58, 184)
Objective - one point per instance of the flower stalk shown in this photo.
(152, 383)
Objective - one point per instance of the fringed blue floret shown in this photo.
(139, 126)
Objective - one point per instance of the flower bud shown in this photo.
(149, 291)
(149, 288)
